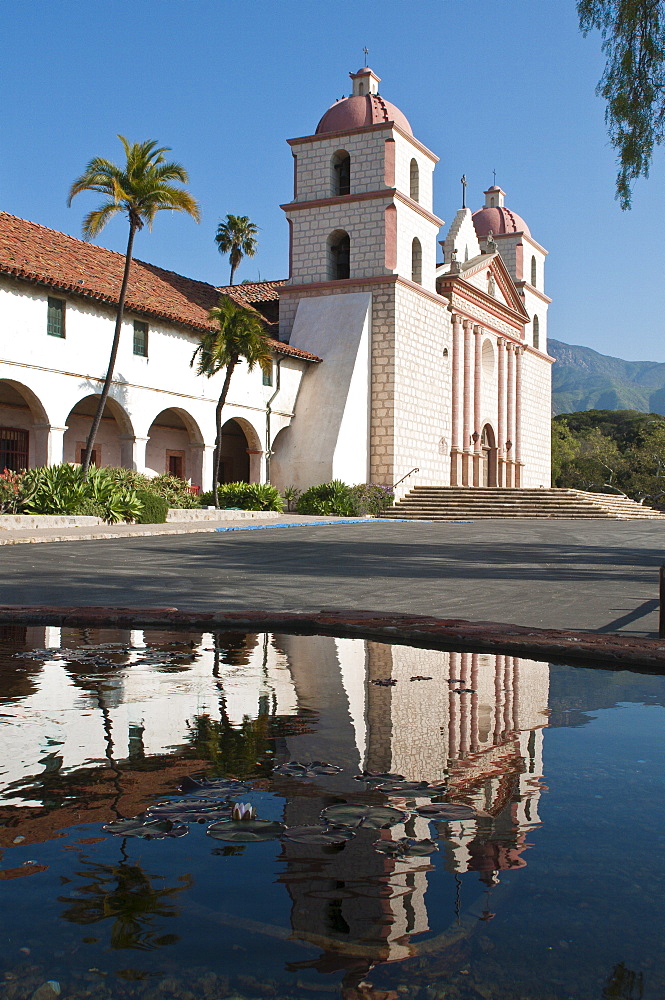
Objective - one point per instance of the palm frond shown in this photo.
(95, 221)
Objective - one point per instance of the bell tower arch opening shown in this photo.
(339, 255)
(340, 173)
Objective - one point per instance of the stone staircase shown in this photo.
(445, 503)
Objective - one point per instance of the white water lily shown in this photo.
(243, 811)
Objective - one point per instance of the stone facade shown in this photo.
(459, 377)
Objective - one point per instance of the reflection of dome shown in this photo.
(500, 220)
(360, 112)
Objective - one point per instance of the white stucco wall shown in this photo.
(329, 438)
(54, 374)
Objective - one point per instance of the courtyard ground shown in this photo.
(596, 575)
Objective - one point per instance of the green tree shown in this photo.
(565, 448)
(237, 238)
(141, 187)
(633, 83)
(240, 335)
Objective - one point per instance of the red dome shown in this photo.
(360, 112)
(499, 220)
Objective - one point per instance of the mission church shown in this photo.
(384, 361)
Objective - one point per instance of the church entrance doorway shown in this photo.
(234, 456)
(488, 457)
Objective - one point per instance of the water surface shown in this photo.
(548, 886)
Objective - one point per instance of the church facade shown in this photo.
(442, 367)
(385, 361)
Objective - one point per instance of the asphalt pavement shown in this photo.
(572, 574)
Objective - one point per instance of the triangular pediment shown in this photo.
(489, 274)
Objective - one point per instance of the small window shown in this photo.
(13, 449)
(140, 338)
(55, 326)
(416, 262)
(341, 173)
(414, 181)
(533, 271)
(267, 377)
(536, 332)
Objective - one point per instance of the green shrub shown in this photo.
(155, 508)
(89, 508)
(60, 489)
(175, 491)
(328, 498)
(372, 499)
(249, 496)
(290, 495)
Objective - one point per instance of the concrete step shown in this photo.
(438, 503)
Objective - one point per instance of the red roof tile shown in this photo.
(47, 257)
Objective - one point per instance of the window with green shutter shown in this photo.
(55, 324)
(267, 378)
(140, 338)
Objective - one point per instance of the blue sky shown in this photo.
(505, 85)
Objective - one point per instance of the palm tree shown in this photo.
(237, 238)
(141, 188)
(240, 334)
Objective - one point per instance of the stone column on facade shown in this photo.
(457, 381)
(510, 415)
(519, 352)
(501, 415)
(477, 401)
(197, 461)
(127, 451)
(138, 446)
(207, 461)
(256, 466)
(49, 447)
(467, 457)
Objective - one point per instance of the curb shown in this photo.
(610, 651)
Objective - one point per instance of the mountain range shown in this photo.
(583, 379)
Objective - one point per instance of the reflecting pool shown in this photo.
(254, 816)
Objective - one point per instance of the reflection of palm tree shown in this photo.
(234, 750)
(124, 893)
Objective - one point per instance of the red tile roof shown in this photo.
(47, 257)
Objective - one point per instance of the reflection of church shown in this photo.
(383, 359)
(473, 719)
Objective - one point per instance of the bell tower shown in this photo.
(361, 295)
(362, 199)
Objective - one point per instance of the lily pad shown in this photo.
(318, 834)
(355, 815)
(190, 810)
(376, 777)
(406, 847)
(446, 811)
(409, 787)
(145, 828)
(296, 769)
(221, 786)
(246, 830)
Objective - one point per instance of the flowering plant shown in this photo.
(11, 491)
